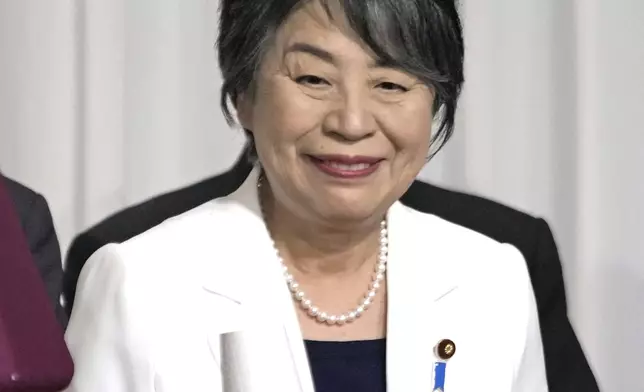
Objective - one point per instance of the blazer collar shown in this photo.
(414, 246)
(419, 276)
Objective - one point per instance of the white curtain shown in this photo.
(105, 103)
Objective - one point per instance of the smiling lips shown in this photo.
(348, 167)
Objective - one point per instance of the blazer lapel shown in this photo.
(418, 278)
(258, 287)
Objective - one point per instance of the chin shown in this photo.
(348, 205)
(349, 213)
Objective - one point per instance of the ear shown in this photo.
(244, 106)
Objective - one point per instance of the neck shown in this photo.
(314, 247)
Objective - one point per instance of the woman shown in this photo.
(338, 99)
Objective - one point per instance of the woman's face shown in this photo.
(340, 136)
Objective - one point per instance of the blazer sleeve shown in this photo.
(106, 333)
(566, 365)
(530, 371)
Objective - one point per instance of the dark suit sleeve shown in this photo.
(43, 243)
(566, 366)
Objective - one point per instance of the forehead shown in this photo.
(324, 26)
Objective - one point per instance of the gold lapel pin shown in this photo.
(445, 349)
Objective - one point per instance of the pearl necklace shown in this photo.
(350, 316)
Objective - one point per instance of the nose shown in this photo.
(351, 118)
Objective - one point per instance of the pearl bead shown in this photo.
(352, 316)
(322, 316)
(375, 285)
(313, 311)
(299, 295)
(342, 319)
(366, 302)
(306, 304)
(331, 319)
(371, 294)
(360, 310)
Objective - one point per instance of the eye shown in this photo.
(389, 86)
(312, 80)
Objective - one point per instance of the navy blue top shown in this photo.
(356, 366)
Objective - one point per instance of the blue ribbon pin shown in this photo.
(439, 376)
(444, 350)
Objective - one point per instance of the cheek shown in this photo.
(282, 114)
(409, 128)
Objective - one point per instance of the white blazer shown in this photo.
(149, 313)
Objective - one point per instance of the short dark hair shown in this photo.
(421, 37)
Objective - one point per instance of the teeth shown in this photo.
(352, 167)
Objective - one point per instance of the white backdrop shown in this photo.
(105, 103)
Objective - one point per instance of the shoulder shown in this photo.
(183, 244)
(163, 268)
(435, 228)
(143, 216)
(439, 200)
(138, 218)
(134, 277)
(486, 216)
(472, 255)
(490, 278)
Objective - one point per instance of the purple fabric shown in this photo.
(33, 354)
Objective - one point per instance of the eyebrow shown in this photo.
(301, 47)
(326, 56)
